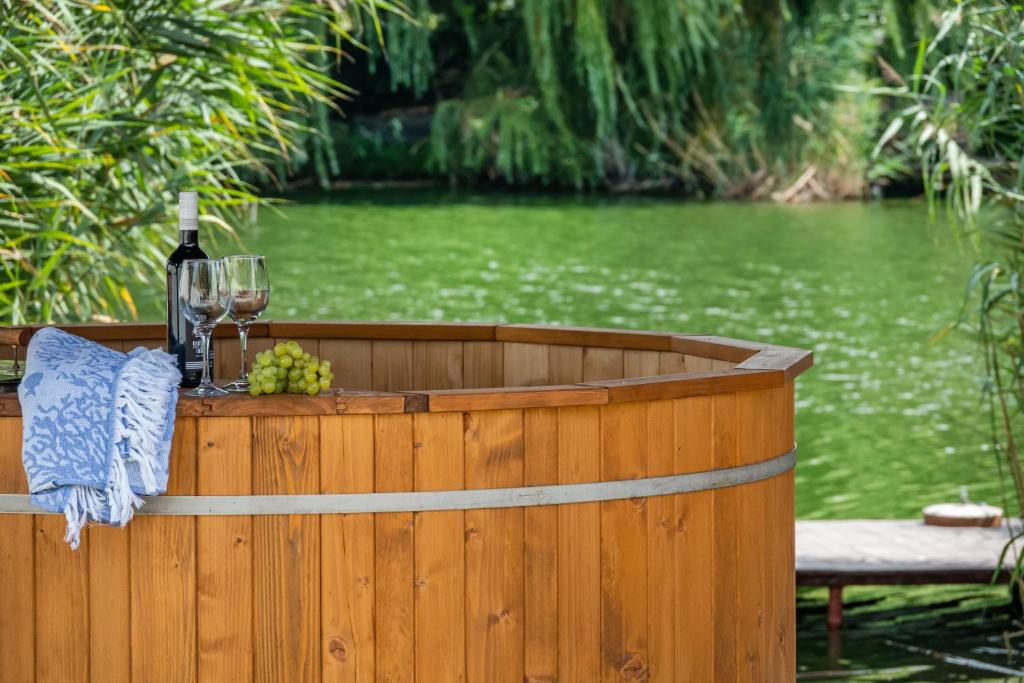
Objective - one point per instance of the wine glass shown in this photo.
(250, 294)
(205, 298)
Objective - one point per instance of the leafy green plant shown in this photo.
(108, 109)
(965, 122)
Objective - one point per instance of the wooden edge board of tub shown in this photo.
(686, 384)
(759, 366)
(415, 331)
(639, 340)
(501, 398)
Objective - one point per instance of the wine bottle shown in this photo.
(181, 341)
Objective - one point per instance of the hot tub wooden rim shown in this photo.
(760, 366)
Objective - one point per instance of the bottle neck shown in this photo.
(189, 238)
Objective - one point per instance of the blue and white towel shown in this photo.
(97, 427)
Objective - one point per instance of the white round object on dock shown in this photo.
(963, 514)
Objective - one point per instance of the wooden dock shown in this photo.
(837, 553)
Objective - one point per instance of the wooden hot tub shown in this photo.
(562, 545)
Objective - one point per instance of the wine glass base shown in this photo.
(239, 386)
(206, 390)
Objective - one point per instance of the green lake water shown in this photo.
(888, 420)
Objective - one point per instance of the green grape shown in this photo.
(294, 374)
(313, 389)
(314, 360)
(280, 349)
(312, 367)
(325, 367)
(293, 388)
(282, 372)
(270, 372)
(291, 344)
(306, 356)
(267, 386)
(324, 383)
(330, 376)
(278, 386)
(264, 361)
(295, 352)
(301, 384)
(310, 375)
(300, 363)
(254, 390)
(285, 361)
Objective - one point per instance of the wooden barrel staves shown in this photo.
(481, 503)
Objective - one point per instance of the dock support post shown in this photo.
(835, 607)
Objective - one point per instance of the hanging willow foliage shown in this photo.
(725, 97)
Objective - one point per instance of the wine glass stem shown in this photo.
(204, 336)
(243, 342)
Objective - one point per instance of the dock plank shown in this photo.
(896, 551)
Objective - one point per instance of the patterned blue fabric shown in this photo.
(97, 427)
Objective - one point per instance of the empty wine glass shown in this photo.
(250, 294)
(205, 298)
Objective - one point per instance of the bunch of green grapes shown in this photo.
(287, 367)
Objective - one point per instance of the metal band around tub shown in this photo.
(458, 499)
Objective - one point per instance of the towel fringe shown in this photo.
(141, 402)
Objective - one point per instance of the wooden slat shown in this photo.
(515, 397)
(661, 536)
(225, 547)
(540, 548)
(579, 549)
(671, 363)
(697, 363)
(727, 549)
(395, 627)
(163, 577)
(17, 564)
(286, 553)
(526, 365)
(565, 364)
(347, 553)
(440, 580)
(722, 365)
(624, 546)
(694, 568)
(109, 605)
(494, 550)
(782, 626)
(585, 336)
(351, 362)
(754, 412)
(641, 363)
(392, 366)
(482, 364)
(227, 358)
(436, 365)
(62, 604)
(602, 364)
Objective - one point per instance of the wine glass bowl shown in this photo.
(205, 300)
(250, 294)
